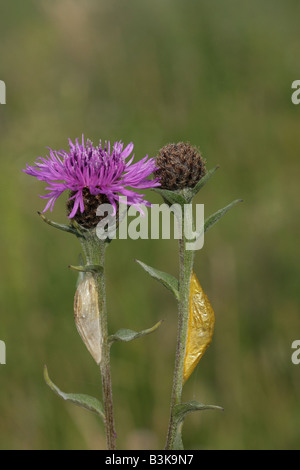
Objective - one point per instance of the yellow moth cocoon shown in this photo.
(86, 313)
(200, 327)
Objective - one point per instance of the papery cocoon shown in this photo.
(86, 313)
(200, 327)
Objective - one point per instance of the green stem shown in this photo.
(94, 249)
(186, 261)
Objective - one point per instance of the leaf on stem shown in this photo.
(181, 410)
(84, 401)
(171, 197)
(80, 230)
(169, 281)
(193, 191)
(200, 327)
(129, 335)
(63, 227)
(89, 268)
(213, 219)
(179, 413)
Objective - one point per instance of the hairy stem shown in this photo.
(95, 254)
(186, 260)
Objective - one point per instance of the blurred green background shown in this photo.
(217, 74)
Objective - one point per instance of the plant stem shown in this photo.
(186, 260)
(94, 249)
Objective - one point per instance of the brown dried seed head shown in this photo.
(179, 166)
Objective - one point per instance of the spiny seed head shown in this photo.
(179, 166)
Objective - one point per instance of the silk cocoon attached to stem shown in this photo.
(86, 314)
(200, 327)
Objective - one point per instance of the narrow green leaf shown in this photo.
(80, 274)
(213, 219)
(89, 268)
(180, 411)
(65, 228)
(202, 182)
(172, 197)
(84, 401)
(129, 335)
(169, 281)
(79, 229)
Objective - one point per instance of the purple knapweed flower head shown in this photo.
(94, 175)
